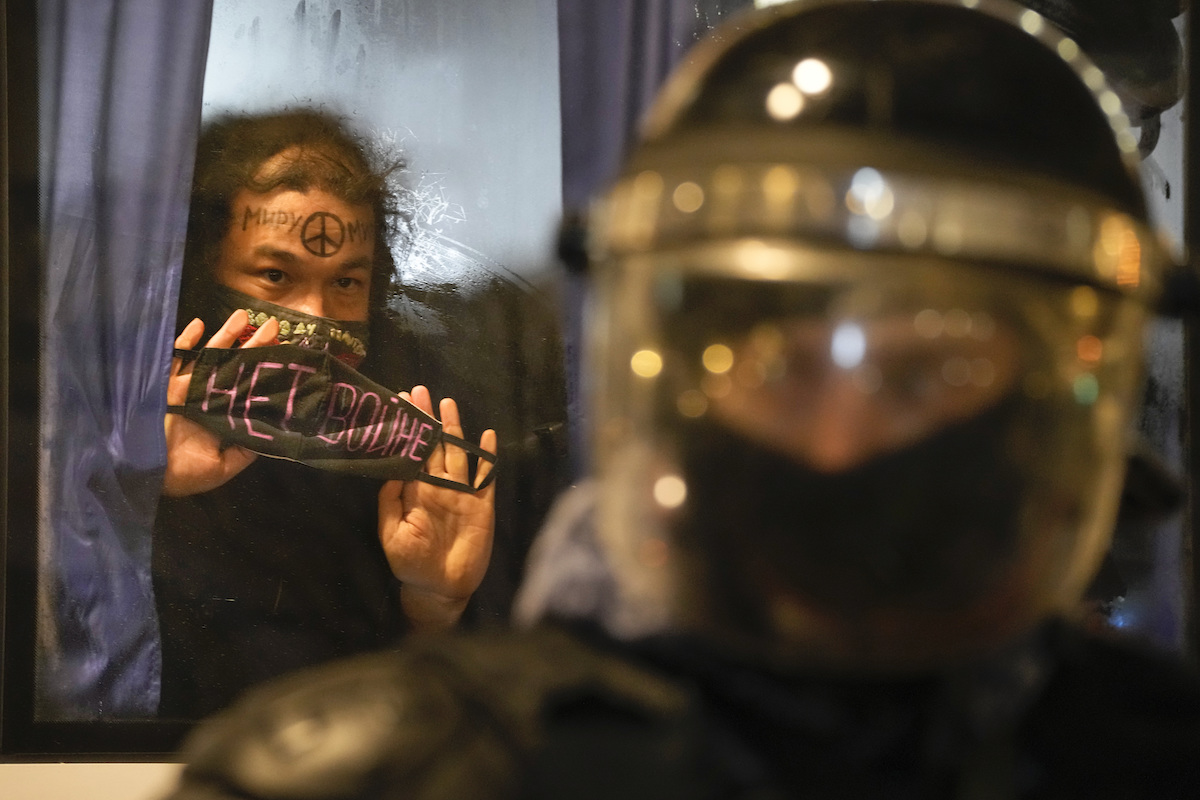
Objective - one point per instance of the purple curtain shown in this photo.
(613, 57)
(119, 109)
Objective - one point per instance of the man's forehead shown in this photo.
(284, 196)
(320, 222)
(293, 158)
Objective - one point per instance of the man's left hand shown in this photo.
(438, 541)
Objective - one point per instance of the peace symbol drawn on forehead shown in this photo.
(323, 234)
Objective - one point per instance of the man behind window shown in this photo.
(263, 565)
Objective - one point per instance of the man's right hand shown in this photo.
(196, 462)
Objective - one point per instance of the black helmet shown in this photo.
(865, 334)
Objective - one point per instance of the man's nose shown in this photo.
(310, 301)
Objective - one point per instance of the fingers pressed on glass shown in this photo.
(227, 335)
(488, 442)
(267, 333)
(455, 457)
(180, 376)
(421, 398)
(189, 337)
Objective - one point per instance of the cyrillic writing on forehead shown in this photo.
(322, 233)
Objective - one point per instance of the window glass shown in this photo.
(157, 606)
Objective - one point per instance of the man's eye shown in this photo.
(348, 283)
(273, 275)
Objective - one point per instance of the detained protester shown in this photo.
(867, 312)
(365, 522)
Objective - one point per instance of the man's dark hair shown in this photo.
(321, 152)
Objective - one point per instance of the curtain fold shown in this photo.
(120, 89)
(613, 57)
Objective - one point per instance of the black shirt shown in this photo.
(278, 569)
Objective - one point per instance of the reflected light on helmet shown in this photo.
(670, 491)
(848, 345)
(812, 76)
(784, 102)
(646, 363)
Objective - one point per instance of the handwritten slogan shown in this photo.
(322, 233)
(295, 408)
